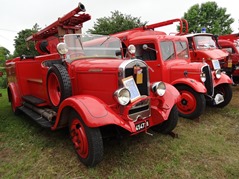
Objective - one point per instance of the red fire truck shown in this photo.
(88, 88)
(169, 60)
(230, 43)
(204, 47)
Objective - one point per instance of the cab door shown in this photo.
(148, 51)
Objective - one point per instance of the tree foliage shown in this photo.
(4, 55)
(210, 16)
(21, 47)
(116, 23)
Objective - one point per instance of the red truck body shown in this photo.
(88, 89)
(169, 60)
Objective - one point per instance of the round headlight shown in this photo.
(218, 73)
(131, 49)
(203, 77)
(122, 96)
(159, 88)
(62, 48)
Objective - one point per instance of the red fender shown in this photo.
(224, 79)
(172, 95)
(15, 95)
(197, 86)
(161, 106)
(93, 111)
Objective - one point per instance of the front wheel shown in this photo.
(88, 142)
(192, 103)
(226, 91)
(168, 125)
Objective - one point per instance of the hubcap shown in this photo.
(79, 138)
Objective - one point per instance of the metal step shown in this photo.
(36, 117)
(34, 100)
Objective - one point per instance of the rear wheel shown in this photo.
(168, 125)
(15, 109)
(58, 85)
(87, 141)
(192, 103)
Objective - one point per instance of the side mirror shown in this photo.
(145, 47)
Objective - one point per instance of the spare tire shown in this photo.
(58, 85)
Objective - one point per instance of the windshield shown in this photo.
(167, 50)
(91, 46)
(204, 42)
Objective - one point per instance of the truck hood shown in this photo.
(213, 53)
(96, 65)
(190, 67)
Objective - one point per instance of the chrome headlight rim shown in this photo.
(218, 73)
(132, 49)
(203, 77)
(159, 88)
(122, 96)
(62, 48)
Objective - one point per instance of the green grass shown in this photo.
(208, 148)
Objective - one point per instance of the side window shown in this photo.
(182, 50)
(167, 50)
(145, 54)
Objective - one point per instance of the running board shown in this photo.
(36, 117)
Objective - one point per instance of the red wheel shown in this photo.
(79, 138)
(188, 102)
(192, 104)
(54, 89)
(87, 141)
(58, 85)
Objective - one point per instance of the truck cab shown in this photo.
(204, 48)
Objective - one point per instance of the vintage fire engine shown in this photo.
(88, 87)
(230, 43)
(169, 61)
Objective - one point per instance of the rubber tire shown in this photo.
(200, 103)
(226, 91)
(168, 125)
(58, 85)
(88, 142)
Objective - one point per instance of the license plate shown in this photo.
(142, 125)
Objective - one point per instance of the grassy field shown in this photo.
(208, 148)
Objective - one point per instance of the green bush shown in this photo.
(3, 79)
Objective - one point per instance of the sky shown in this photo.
(17, 15)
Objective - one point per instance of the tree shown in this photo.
(209, 16)
(21, 47)
(116, 23)
(4, 55)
